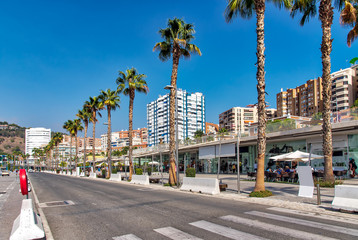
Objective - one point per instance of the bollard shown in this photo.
(318, 195)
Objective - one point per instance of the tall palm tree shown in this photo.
(177, 37)
(110, 100)
(130, 82)
(85, 116)
(308, 8)
(57, 138)
(94, 105)
(68, 125)
(76, 127)
(245, 8)
(349, 17)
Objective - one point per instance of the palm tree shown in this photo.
(69, 126)
(309, 9)
(76, 127)
(176, 44)
(245, 9)
(85, 116)
(110, 100)
(57, 140)
(130, 82)
(349, 17)
(94, 105)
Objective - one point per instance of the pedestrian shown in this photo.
(352, 168)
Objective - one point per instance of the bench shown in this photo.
(222, 187)
(154, 180)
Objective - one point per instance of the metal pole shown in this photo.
(218, 177)
(161, 161)
(177, 137)
(318, 195)
(238, 164)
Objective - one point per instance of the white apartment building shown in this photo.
(191, 116)
(35, 138)
(104, 140)
(238, 119)
(344, 88)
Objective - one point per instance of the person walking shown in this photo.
(352, 168)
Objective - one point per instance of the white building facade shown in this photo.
(191, 116)
(35, 138)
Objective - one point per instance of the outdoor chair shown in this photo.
(285, 176)
(292, 177)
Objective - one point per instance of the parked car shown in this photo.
(4, 173)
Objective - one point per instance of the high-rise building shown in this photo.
(344, 88)
(35, 138)
(191, 116)
(306, 100)
(238, 119)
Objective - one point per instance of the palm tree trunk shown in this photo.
(71, 151)
(57, 150)
(130, 133)
(326, 17)
(84, 146)
(173, 82)
(109, 143)
(76, 152)
(94, 140)
(260, 75)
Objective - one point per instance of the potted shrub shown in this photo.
(190, 172)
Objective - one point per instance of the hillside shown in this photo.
(12, 138)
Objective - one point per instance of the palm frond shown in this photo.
(348, 15)
(244, 8)
(352, 35)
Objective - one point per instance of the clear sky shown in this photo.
(55, 54)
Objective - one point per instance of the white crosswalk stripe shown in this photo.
(127, 237)
(274, 228)
(308, 223)
(175, 234)
(224, 231)
(257, 224)
(315, 215)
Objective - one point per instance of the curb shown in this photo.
(48, 233)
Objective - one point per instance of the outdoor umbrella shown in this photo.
(153, 163)
(296, 156)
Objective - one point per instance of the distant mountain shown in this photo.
(12, 138)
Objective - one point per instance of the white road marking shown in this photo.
(315, 215)
(324, 226)
(274, 228)
(175, 234)
(127, 237)
(224, 231)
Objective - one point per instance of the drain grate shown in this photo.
(2, 192)
(57, 204)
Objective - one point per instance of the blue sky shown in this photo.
(54, 55)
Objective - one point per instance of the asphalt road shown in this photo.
(108, 210)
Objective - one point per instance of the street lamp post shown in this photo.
(169, 87)
(109, 151)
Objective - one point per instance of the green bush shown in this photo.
(167, 185)
(57, 171)
(327, 184)
(139, 171)
(114, 170)
(190, 172)
(261, 194)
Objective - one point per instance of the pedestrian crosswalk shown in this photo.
(260, 225)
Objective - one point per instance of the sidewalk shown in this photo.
(10, 204)
(285, 194)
